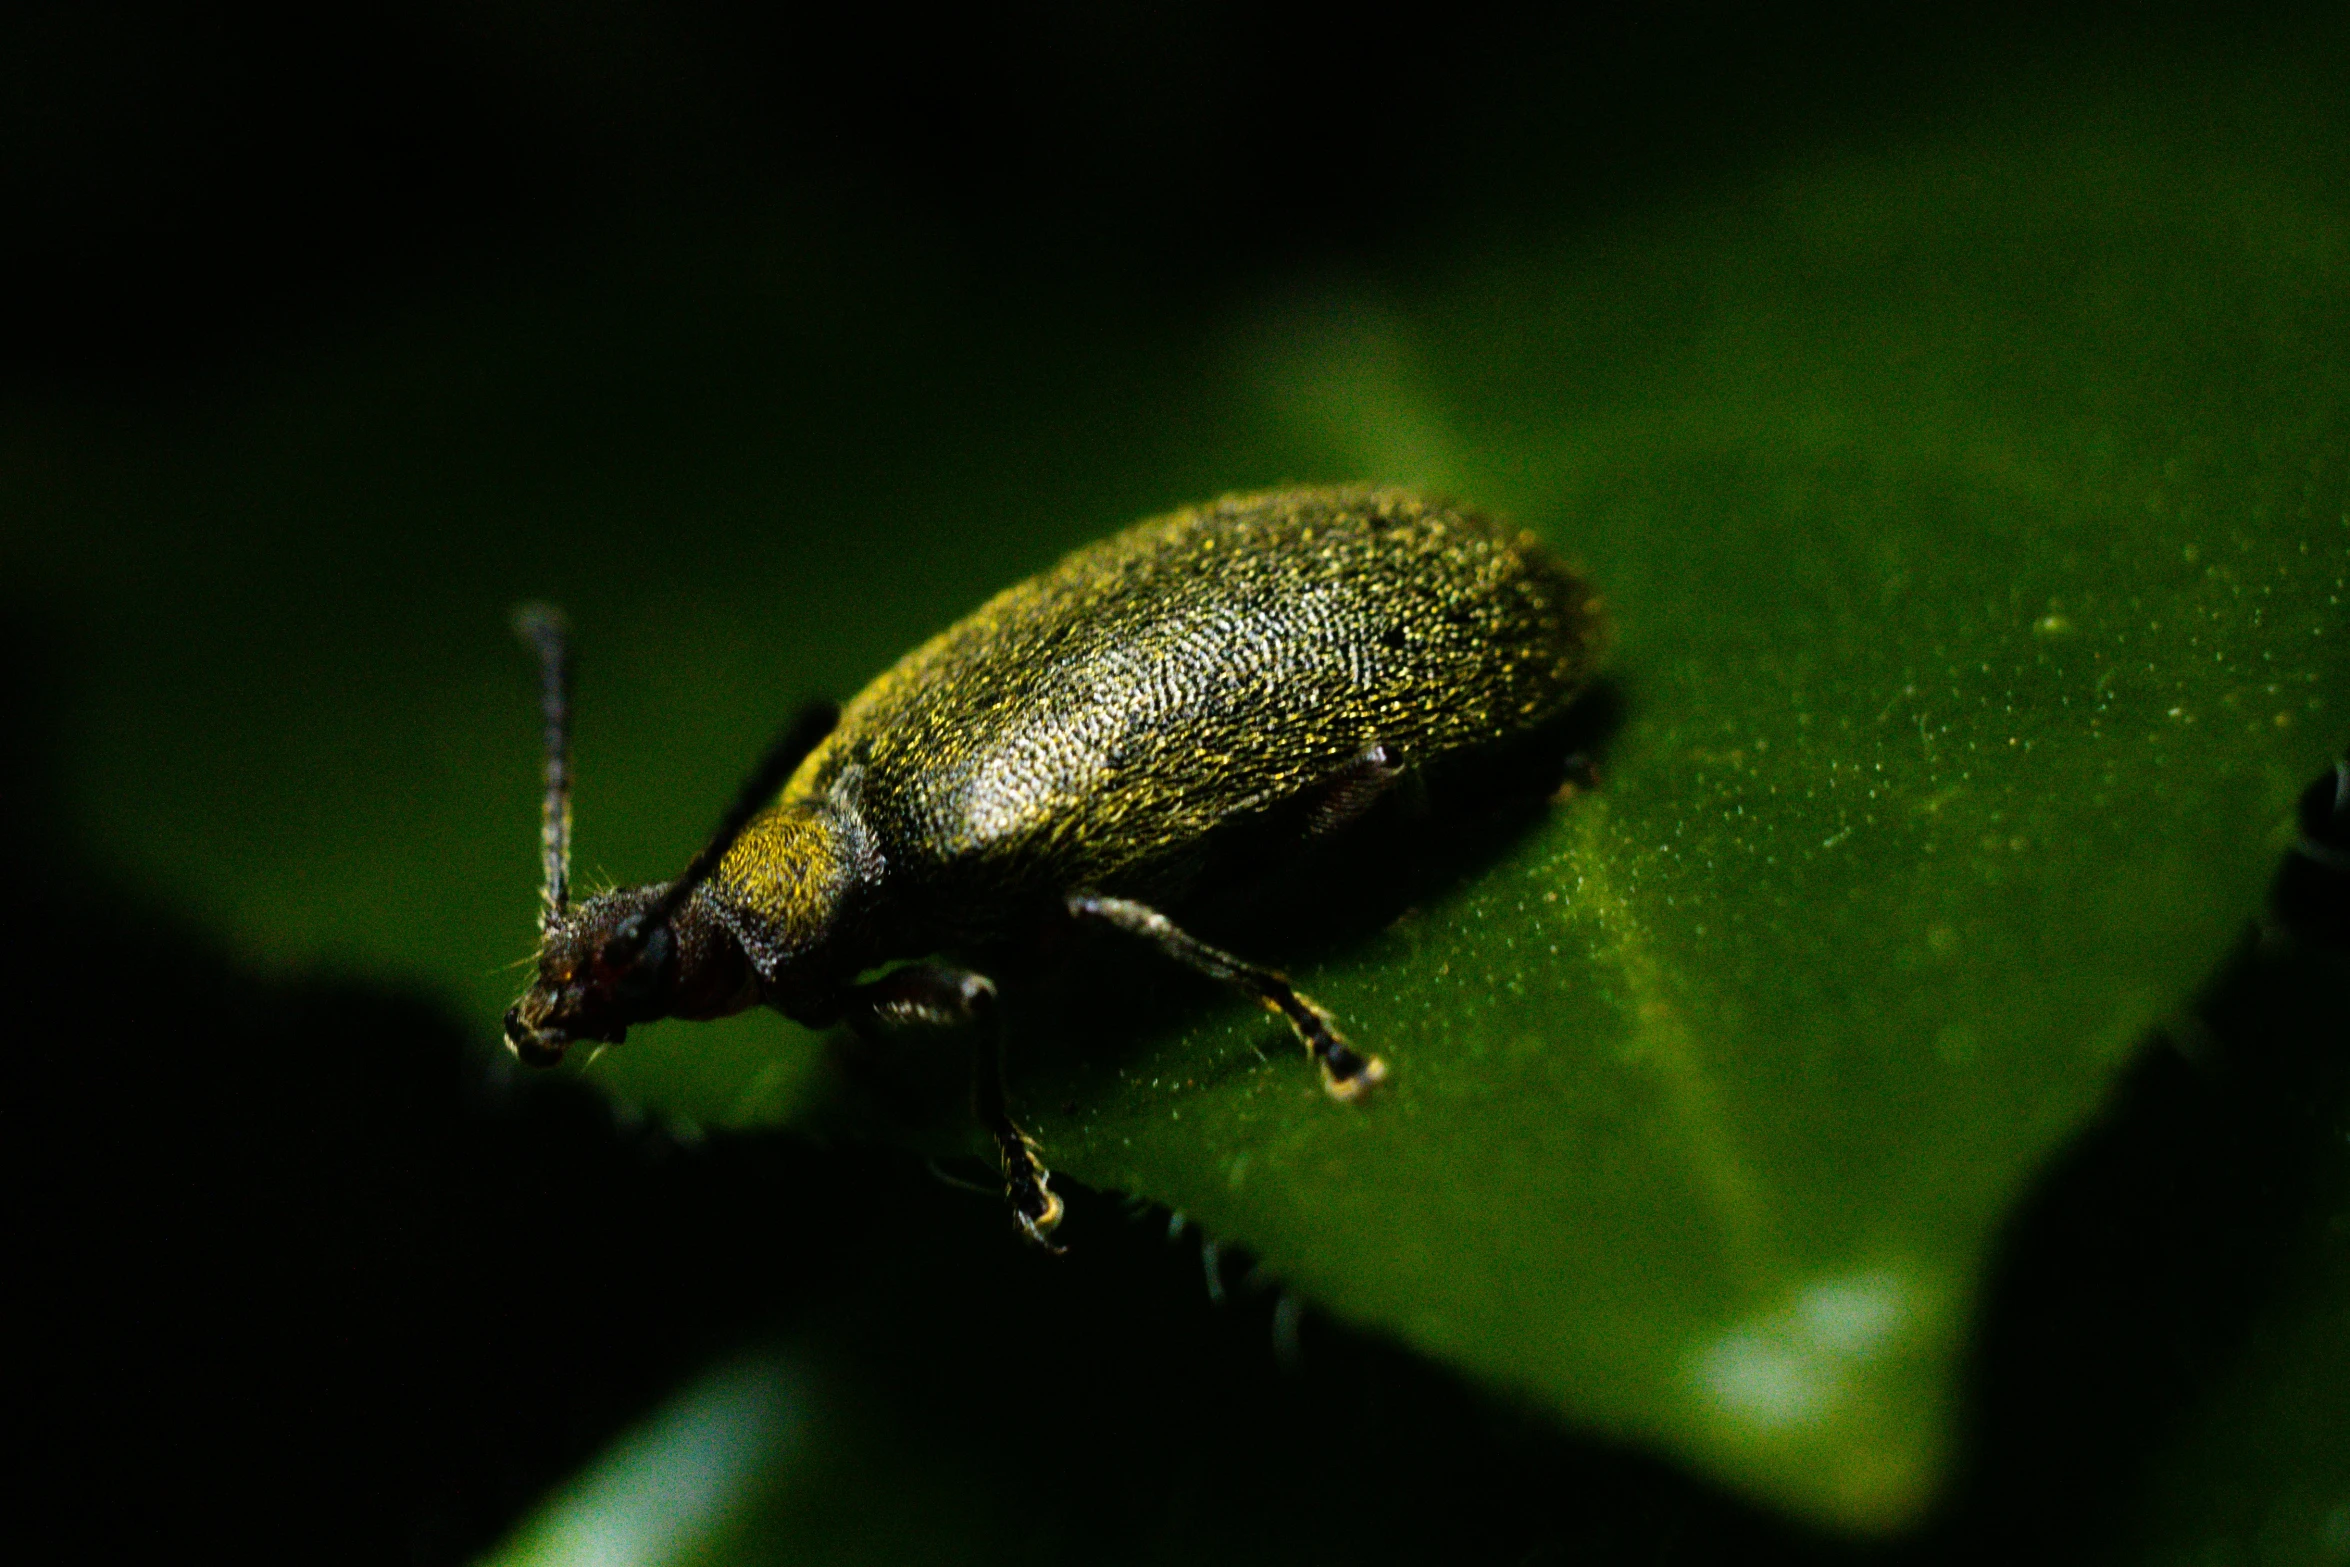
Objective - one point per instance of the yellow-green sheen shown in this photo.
(1097, 723)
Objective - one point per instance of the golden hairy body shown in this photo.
(1257, 670)
(1093, 725)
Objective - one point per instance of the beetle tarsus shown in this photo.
(1346, 1072)
(1028, 1187)
(1027, 1183)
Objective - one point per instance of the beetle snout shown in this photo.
(542, 1026)
(534, 1046)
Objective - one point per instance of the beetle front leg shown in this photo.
(1347, 1073)
(931, 995)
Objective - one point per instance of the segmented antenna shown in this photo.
(543, 627)
(803, 734)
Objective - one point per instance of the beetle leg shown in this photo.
(931, 995)
(1353, 792)
(1345, 1072)
(1027, 1183)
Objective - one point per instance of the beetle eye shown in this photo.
(625, 942)
(637, 956)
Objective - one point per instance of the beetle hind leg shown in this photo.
(932, 995)
(1346, 1072)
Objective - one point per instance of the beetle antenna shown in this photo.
(802, 735)
(543, 627)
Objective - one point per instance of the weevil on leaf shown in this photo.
(1065, 753)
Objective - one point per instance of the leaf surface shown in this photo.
(1976, 520)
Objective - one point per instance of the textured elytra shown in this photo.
(1101, 720)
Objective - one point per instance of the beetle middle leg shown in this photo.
(1346, 1072)
(1349, 797)
(931, 995)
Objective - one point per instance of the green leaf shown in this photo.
(1975, 524)
(1974, 519)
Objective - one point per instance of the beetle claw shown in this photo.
(1039, 1225)
(1028, 1185)
(1349, 1086)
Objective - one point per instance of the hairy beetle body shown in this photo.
(1075, 744)
(1091, 726)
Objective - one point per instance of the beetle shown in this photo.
(1066, 753)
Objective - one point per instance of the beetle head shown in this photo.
(623, 958)
(636, 953)
(608, 963)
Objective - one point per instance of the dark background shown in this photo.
(369, 1300)
(189, 185)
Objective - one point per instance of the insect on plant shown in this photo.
(1259, 670)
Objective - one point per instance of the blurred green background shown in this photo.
(1882, 1111)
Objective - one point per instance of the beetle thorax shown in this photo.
(795, 891)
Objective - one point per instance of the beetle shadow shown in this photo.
(1271, 893)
